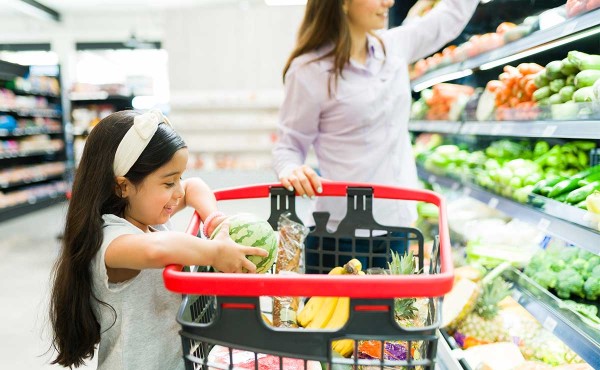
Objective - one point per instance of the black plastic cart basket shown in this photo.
(221, 309)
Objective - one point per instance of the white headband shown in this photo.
(136, 140)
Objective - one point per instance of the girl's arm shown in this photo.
(159, 249)
(426, 35)
(200, 197)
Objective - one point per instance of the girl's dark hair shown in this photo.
(74, 323)
(325, 23)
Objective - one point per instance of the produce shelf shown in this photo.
(576, 129)
(571, 232)
(537, 129)
(563, 323)
(560, 31)
(444, 127)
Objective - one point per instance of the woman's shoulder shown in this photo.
(311, 63)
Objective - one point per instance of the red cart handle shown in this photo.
(363, 286)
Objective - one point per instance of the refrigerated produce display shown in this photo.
(507, 125)
(33, 157)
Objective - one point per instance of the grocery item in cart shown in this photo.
(219, 358)
(289, 251)
(250, 230)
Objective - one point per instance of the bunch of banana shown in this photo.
(331, 312)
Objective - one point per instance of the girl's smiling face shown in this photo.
(368, 15)
(154, 200)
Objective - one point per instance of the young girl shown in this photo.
(108, 287)
(347, 94)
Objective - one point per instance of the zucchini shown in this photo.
(586, 78)
(585, 94)
(566, 93)
(555, 99)
(568, 67)
(582, 205)
(553, 70)
(540, 79)
(557, 84)
(584, 61)
(580, 194)
(542, 93)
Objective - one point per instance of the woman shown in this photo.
(347, 94)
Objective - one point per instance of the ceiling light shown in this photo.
(443, 78)
(35, 9)
(285, 2)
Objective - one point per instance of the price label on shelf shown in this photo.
(543, 224)
(455, 186)
(467, 191)
(431, 179)
(493, 203)
(549, 130)
(549, 324)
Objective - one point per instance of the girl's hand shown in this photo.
(304, 180)
(230, 256)
(214, 223)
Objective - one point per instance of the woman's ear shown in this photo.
(122, 186)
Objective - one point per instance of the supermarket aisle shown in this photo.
(28, 248)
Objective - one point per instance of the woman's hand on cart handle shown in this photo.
(230, 256)
(304, 180)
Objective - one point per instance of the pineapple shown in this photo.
(459, 303)
(484, 325)
(408, 312)
(405, 310)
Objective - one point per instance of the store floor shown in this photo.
(28, 249)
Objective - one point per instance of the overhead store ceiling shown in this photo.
(85, 6)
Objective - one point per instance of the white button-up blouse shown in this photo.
(360, 132)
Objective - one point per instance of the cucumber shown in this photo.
(565, 186)
(587, 172)
(580, 194)
(547, 182)
(582, 205)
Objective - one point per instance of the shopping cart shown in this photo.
(224, 309)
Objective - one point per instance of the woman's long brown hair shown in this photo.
(325, 23)
(75, 325)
